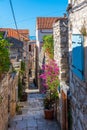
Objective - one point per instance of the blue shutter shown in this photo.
(78, 55)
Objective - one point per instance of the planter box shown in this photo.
(49, 114)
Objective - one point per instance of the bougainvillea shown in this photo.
(49, 76)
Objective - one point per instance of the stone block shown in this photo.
(64, 60)
(17, 118)
(31, 123)
(21, 124)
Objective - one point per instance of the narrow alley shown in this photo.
(43, 65)
(32, 117)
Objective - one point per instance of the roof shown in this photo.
(47, 22)
(14, 33)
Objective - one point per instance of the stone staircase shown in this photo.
(32, 117)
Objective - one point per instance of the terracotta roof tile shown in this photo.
(47, 22)
(13, 33)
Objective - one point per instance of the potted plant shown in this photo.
(48, 109)
(50, 84)
(49, 105)
(18, 109)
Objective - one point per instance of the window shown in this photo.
(78, 55)
(29, 47)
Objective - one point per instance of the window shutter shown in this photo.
(78, 55)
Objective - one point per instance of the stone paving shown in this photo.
(32, 117)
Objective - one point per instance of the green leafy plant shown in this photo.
(18, 109)
(48, 45)
(4, 55)
(22, 70)
(50, 99)
(47, 103)
(13, 70)
(22, 65)
(1, 98)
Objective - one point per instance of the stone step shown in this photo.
(33, 95)
(32, 117)
(32, 90)
(35, 105)
(23, 104)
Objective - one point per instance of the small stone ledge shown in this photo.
(64, 87)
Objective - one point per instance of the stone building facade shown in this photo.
(77, 11)
(8, 99)
(19, 43)
(19, 49)
(60, 33)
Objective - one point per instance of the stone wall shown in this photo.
(61, 48)
(8, 96)
(78, 88)
(76, 2)
(4, 104)
(12, 92)
(60, 31)
(36, 67)
(41, 58)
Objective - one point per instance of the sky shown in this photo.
(26, 12)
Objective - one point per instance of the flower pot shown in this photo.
(49, 114)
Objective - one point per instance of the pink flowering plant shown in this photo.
(50, 80)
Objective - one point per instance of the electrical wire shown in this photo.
(14, 17)
(23, 20)
(15, 21)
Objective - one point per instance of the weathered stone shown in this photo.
(77, 18)
(33, 119)
(7, 88)
(60, 32)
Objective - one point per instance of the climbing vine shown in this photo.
(48, 45)
(22, 65)
(22, 69)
